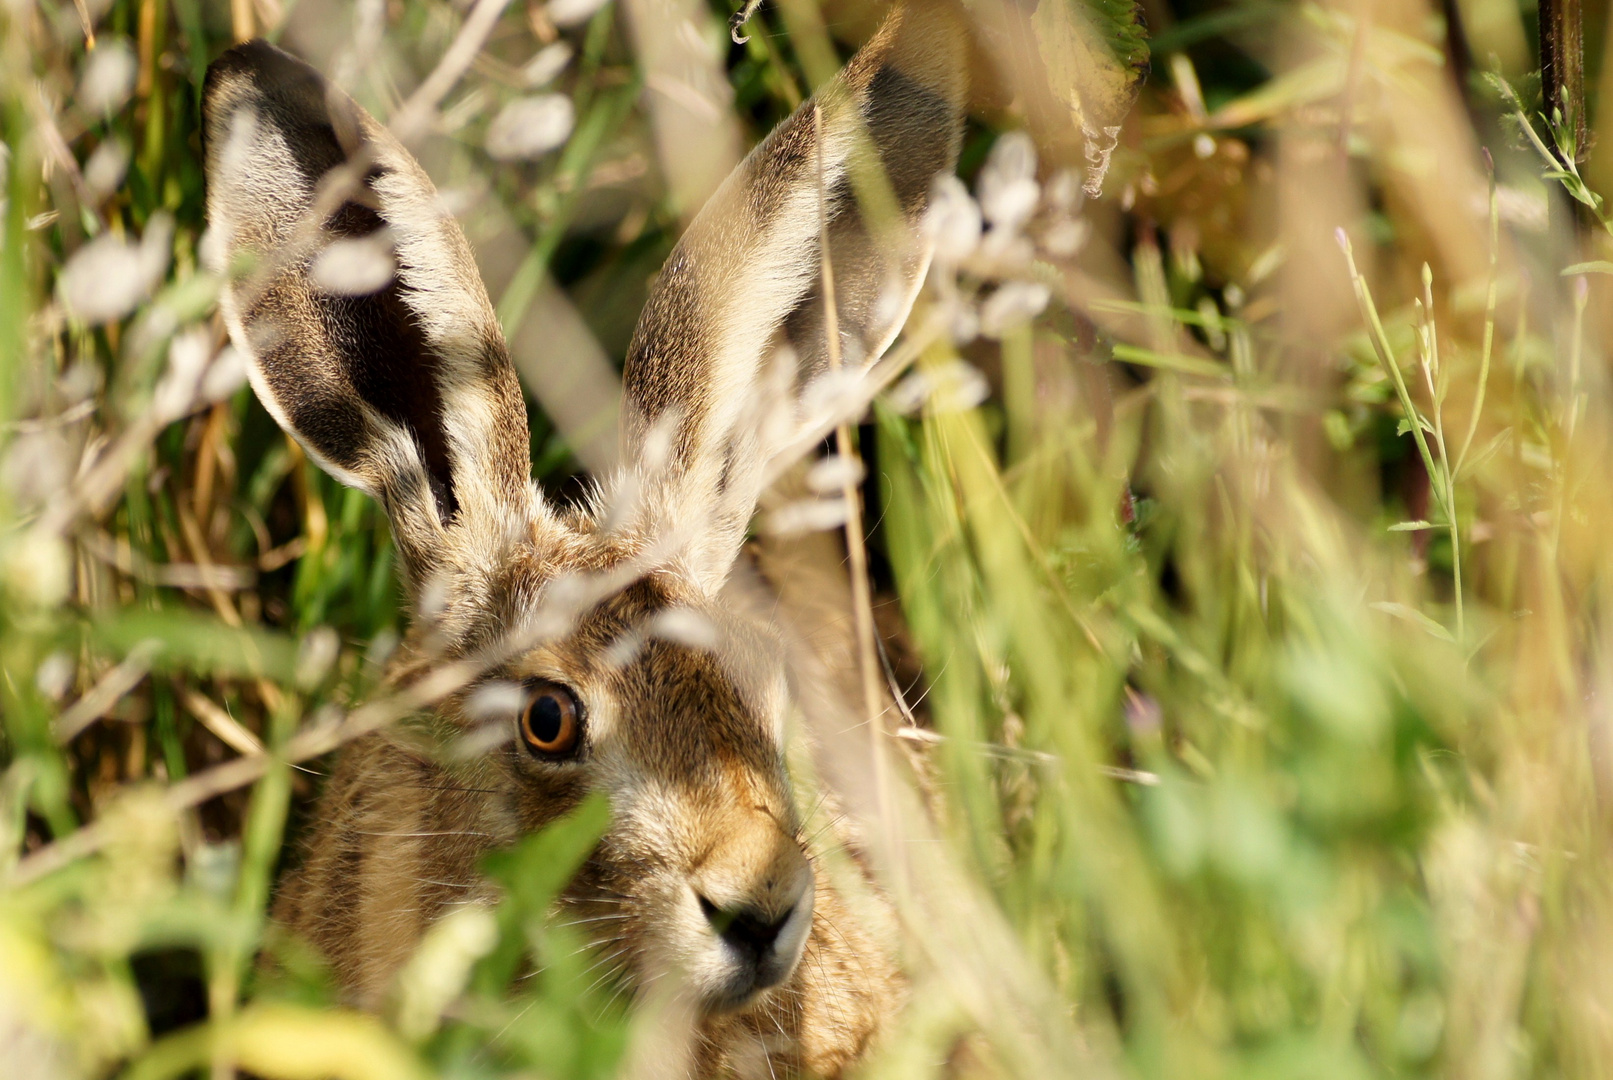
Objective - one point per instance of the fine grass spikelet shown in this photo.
(36, 570)
(225, 375)
(108, 77)
(105, 169)
(953, 386)
(108, 277)
(355, 267)
(564, 13)
(1012, 304)
(494, 700)
(834, 474)
(1008, 189)
(37, 466)
(683, 626)
(546, 65)
(808, 515)
(530, 127)
(54, 676)
(188, 357)
(316, 655)
(953, 220)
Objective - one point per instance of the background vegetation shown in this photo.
(1240, 548)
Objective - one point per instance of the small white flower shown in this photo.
(109, 276)
(530, 127)
(1013, 304)
(108, 77)
(355, 267)
(105, 169)
(547, 65)
(565, 13)
(953, 219)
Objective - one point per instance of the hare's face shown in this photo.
(676, 710)
(406, 390)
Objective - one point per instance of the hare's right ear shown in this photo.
(368, 333)
(810, 254)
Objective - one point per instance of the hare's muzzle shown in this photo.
(756, 911)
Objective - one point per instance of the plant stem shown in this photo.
(1489, 326)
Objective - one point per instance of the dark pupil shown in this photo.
(547, 719)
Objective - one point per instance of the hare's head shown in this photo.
(623, 668)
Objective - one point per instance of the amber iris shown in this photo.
(551, 720)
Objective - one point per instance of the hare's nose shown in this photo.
(749, 929)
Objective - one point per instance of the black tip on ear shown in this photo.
(320, 124)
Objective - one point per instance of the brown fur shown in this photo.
(409, 394)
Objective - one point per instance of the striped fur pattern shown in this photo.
(404, 389)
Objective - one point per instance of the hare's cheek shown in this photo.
(542, 796)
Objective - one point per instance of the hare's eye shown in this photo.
(551, 720)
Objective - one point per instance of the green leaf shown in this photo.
(1095, 52)
(187, 640)
(1412, 615)
(1412, 526)
(1188, 365)
(1595, 266)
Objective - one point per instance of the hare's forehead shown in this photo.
(657, 650)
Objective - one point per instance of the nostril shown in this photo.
(745, 928)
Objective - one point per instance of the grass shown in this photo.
(1254, 592)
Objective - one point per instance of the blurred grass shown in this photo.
(1208, 730)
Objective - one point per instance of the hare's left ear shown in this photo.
(740, 315)
(367, 331)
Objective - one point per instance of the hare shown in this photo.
(408, 393)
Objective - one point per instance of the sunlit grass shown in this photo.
(1255, 589)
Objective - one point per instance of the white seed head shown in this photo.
(530, 127)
